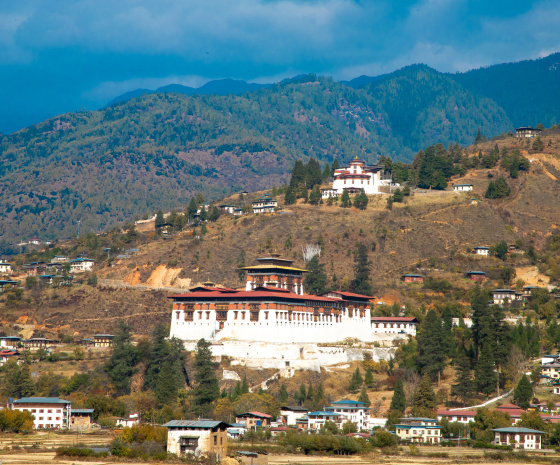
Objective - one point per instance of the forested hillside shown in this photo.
(528, 91)
(156, 151)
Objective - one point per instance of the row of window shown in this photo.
(34, 410)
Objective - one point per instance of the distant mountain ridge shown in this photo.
(217, 87)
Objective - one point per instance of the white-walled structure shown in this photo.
(394, 325)
(418, 430)
(482, 250)
(352, 411)
(265, 204)
(290, 414)
(519, 438)
(49, 412)
(5, 267)
(356, 176)
(459, 416)
(80, 265)
(462, 187)
(330, 192)
(197, 437)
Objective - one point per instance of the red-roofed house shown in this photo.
(460, 416)
(253, 419)
(514, 411)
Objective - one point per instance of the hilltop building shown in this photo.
(5, 267)
(357, 176)
(265, 204)
(273, 308)
(527, 132)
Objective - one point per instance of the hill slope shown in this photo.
(156, 151)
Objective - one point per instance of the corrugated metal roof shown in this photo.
(41, 400)
(195, 424)
(82, 410)
(518, 430)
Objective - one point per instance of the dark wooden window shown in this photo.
(254, 316)
(189, 316)
(221, 316)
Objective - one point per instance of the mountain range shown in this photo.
(156, 150)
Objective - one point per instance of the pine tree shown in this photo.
(290, 196)
(389, 203)
(158, 355)
(327, 173)
(207, 389)
(313, 175)
(478, 138)
(315, 281)
(464, 387)
(424, 400)
(245, 386)
(345, 199)
(310, 392)
(166, 387)
(121, 366)
(398, 402)
(315, 196)
(26, 386)
(192, 208)
(356, 381)
(361, 284)
(283, 398)
(364, 397)
(335, 165)
(298, 174)
(319, 395)
(484, 371)
(301, 395)
(368, 378)
(431, 346)
(159, 219)
(361, 200)
(523, 393)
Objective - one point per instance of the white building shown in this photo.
(519, 438)
(5, 267)
(49, 412)
(265, 204)
(197, 437)
(80, 265)
(418, 430)
(352, 411)
(507, 296)
(131, 420)
(394, 325)
(289, 414)
(527, 132)
(316, 420)
(9, 342)
(330, 192)
(356, 176)
(60, 259)
(227, 208)
(462, 187)
(457, 416)
(482, 250)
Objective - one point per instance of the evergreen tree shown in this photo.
(283, 398)
(290, 196)
(398, 196)
(315, 196)
(298, 174)
(315, 281)
(431, 346)
(121, 366)
(158, 355)
(319, 395)
(484, 371)
(361, 200)
(478, 138)
(364, 397)
(335, 165)
(389, 203)
(166, 387)
(345, 199)
(523, 393)
(245, 386)
(313, 175)
(310, 392)
(159, 219)
(538, 144)
(398, 402)
(207, 389)
(368, 378)
(214, 213)
(481, 320)
(501, 250)
(326, 172)
(424, 400)
(192, 208)
(361, 283)
(236, 391)
(464, 387)
(301, 395)
(356, 381)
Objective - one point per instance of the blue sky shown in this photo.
(65, 55)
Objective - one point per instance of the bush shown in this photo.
(487, 445)
(79, 451)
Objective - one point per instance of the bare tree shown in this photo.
(411, 379)
(309, 251)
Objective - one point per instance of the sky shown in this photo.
(66, 55)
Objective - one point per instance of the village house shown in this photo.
(503, 296)
(289, 414)
(481, 250)
(236, 430)
(6, 284)
(49, 412)
(10, 342)
(5, 267)
(556, 390)
(357, 176)
(7, 354)
(394, 325)
(412, 278)
(265, 204)
(551, 370)
(519, 438)
(81, 418)
(459, 416)
(512, 410)
(462, 187)
(418, 430)
(237, 212)
(227, 209)
(197, 437)
(351, 410)
(316, 420)
(60, 259)
(526, 132)
(36, 343)
(131, 420)
(476, 276)
(528, 289)
(103, 340)
(329, 192)
(252, 420)
(81, 265)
